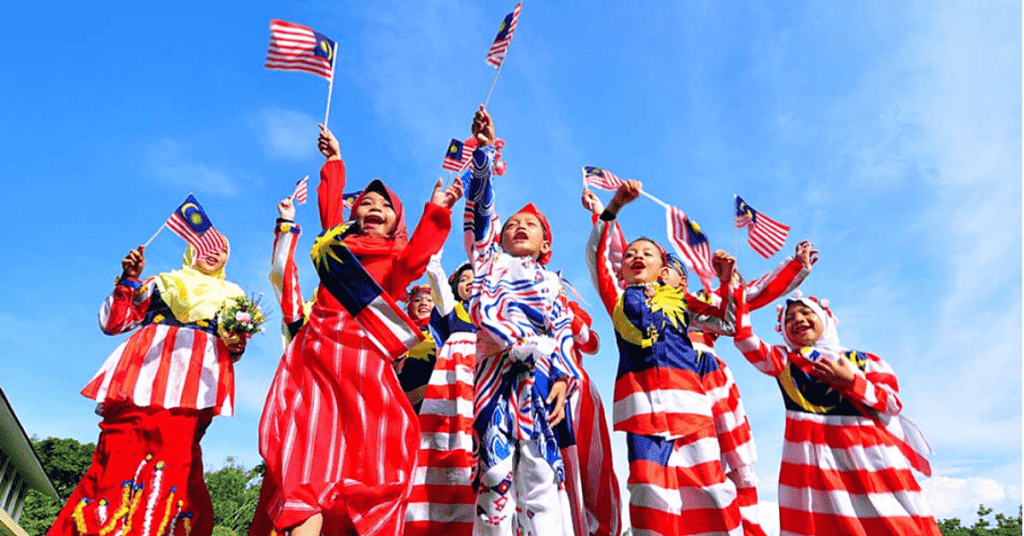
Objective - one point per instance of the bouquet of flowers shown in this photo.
(240, 317)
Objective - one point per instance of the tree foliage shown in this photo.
(65, 461)
(1005, 525)
(234, 491)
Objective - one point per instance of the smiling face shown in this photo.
(523, 236)
(213, 263)
(420, 305)
(641, 263)
(465, 282)
(802, 325)
(375, 215)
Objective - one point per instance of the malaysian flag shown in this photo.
(190, 222)
(765, 235)
(496, 54)
(349, 199)
(294, 47)
(601, 178)
(301, 191)
(690, 244)
(456, 155)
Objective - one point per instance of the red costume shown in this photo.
(337, 433)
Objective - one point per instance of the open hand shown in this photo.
(447, 197)
(806, 254)
(133, 263)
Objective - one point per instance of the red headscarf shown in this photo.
(530, 208)
(399, 238)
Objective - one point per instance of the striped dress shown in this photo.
(846, 467)
(337, 433)
(666, 399)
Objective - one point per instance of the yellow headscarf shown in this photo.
(193, 295)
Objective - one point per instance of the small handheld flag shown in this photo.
(600, 178)
(190, 222)
(690, 244)
(301, 194)
(765, 235)
(496, 54)
(294, 47)
(349, 199)
(454, 156)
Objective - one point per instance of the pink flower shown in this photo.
(243, 318)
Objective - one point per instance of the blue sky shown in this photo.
(890, 135)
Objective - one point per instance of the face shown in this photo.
(375, 215)
(641, 263)
(673, 278)
(421, 305)
(213, 263)
(523, 236)
(802, 325)
(465, 281)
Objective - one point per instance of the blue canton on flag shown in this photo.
(190, 222)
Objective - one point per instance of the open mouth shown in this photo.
(520, 235)
(638, 266)
(373, 219)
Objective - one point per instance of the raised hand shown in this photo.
(806, 254)
(591, 202)
(286, 209)
(483, 127)
(447, 197)
(133, 263)
(328, 144)
(627, 193)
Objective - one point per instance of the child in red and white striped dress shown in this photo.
(848, 452)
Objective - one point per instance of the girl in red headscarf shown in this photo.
(337, 433)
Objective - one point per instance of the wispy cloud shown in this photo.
(284, 134)
(171, 161)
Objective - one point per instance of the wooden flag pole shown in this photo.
(330, 86)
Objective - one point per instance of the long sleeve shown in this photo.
(126, 306)
(771, 360)
(481, 223)
(330, 194)
(874, 386)
(781, 281)
(426, 240)
(602, 263)
(284, 275)
(444, 299)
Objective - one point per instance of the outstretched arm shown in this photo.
(284, 273)
(127, 304)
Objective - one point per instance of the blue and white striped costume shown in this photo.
(523, 347)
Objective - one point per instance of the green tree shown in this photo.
(65, 461)
(234, 491)
(1005, 525)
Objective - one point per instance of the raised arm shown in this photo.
(784, 279)
(284, 273)
(444, 299)
(127, 304)
(481, 224)
(770, 360)
(330, 191)
(604, 251)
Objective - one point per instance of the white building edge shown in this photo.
(20, 470)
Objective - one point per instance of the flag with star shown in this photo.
(455, 155)
(496, 54)
(349, 199)
(601, 178)
(690, 244)
(294, 47)
(190, 222)
(765, 235)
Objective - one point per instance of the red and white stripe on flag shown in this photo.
(294, 47)
(206, 243)
(765, 235)
(601, 178)
(301, 194)
(690, 244)
(496, 55)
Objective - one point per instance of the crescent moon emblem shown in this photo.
(184, 207)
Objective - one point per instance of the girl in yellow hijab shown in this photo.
(157, 394)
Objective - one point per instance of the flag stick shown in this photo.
(330, 86)
(735, 233)
(161, 228)
(493, 80)
(655, 199)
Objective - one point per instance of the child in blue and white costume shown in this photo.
(524, 371)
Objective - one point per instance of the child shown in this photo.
(846, 465)
(337, 434)
(665, 391)
(157, 394)
(284, 274)
(442, 498)
(416, 365)
(523, 369)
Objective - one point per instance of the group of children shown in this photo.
(484, 421)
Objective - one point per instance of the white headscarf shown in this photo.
(829, 341)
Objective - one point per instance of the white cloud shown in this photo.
(171, 162)
(285, 134)
(960, 497)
